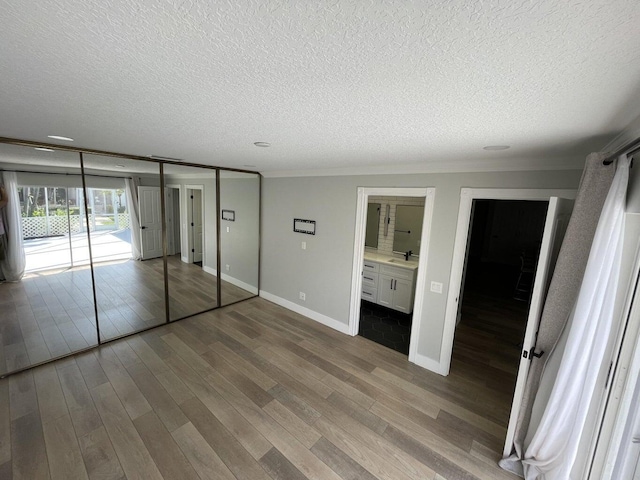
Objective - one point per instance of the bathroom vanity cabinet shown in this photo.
(389, 282)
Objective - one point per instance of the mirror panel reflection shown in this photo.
(59, 237)
(408, 228)
(240, 235)
(373, 225)
(190, 200)
(46, 298)
(125, 221)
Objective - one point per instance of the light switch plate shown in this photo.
(436, 287)
(303, 245)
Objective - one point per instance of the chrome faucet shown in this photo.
(407, 255)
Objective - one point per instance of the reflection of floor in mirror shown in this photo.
(51, 313)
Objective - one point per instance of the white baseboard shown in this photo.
(240, 283)
(318, 317)
(233, 281)
(184, 259)
(430, 364)
(209, 270)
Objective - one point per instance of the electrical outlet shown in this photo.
(436, 287)
(303, 245)
(303, 296)
(227, 267)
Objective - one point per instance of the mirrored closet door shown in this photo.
(240, 235)
(125, 225)
(192, 252)
(46, 297)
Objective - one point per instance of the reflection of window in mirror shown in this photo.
(408, 228)
(373, 225)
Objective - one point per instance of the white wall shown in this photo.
(323, 270)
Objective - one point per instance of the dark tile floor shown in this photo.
(385, 326)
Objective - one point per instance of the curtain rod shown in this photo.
(62, 173)
(630, 149)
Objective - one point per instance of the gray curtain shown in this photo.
(565, 284)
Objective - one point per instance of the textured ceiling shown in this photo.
(330, 84)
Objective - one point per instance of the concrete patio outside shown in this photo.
(61, 251)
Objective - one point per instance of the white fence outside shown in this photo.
(36, 227)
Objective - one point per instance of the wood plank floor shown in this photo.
(486, 351)
(250, 391)
(50, 314)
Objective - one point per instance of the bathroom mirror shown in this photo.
(373, 225)
(408, 228)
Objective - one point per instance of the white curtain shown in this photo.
(13, 264)
(131, 185)
(551, 453)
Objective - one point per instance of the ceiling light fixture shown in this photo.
(496, 147)
(119, 165)
(58, 137)
(262, 144)
(249, 166)
(42, 149)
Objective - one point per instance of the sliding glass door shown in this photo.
(46, 225)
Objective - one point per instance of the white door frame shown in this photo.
(358, 256)
(189, 230)
(175, 186)
(467, 196)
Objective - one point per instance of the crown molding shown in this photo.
(463, 166)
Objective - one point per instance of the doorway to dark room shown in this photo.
(500, 265)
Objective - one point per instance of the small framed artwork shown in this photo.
(304, 226)
(229, 215)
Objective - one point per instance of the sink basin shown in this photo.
(396, 260)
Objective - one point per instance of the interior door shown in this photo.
(150, 222)
(555, 226)
(196, 223)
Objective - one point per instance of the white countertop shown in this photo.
(392, 260)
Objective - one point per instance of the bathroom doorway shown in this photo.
(392, 245)
(389, 269)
